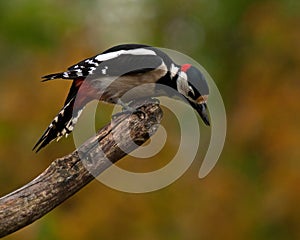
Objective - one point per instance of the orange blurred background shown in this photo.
(250, 48)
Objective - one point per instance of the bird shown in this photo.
(114, 72)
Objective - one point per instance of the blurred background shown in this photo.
(250, 48)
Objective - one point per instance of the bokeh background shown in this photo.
(250, 48)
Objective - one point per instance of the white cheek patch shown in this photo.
(182, 84)
(174, 70)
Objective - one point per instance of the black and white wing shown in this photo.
(122, 60)
(115, 61)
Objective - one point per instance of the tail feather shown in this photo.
(70, 74)
(53, 76)
(62, 125)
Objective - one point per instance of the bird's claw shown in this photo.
(132, 106)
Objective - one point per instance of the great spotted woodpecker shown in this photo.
(114, 72)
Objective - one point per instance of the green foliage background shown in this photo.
(250, 48)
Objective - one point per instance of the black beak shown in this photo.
(202, 111)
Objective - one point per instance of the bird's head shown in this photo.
(192, 85)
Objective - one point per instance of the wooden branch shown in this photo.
(67, 175)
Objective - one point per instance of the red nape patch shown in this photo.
(185, 67)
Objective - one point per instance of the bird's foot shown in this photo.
(126, 108)
(132, 106)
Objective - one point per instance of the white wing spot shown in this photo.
(79, 73)
(65, 74)
(104, 70)
(91, 61)
(92, 69)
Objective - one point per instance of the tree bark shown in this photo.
(67, 175)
